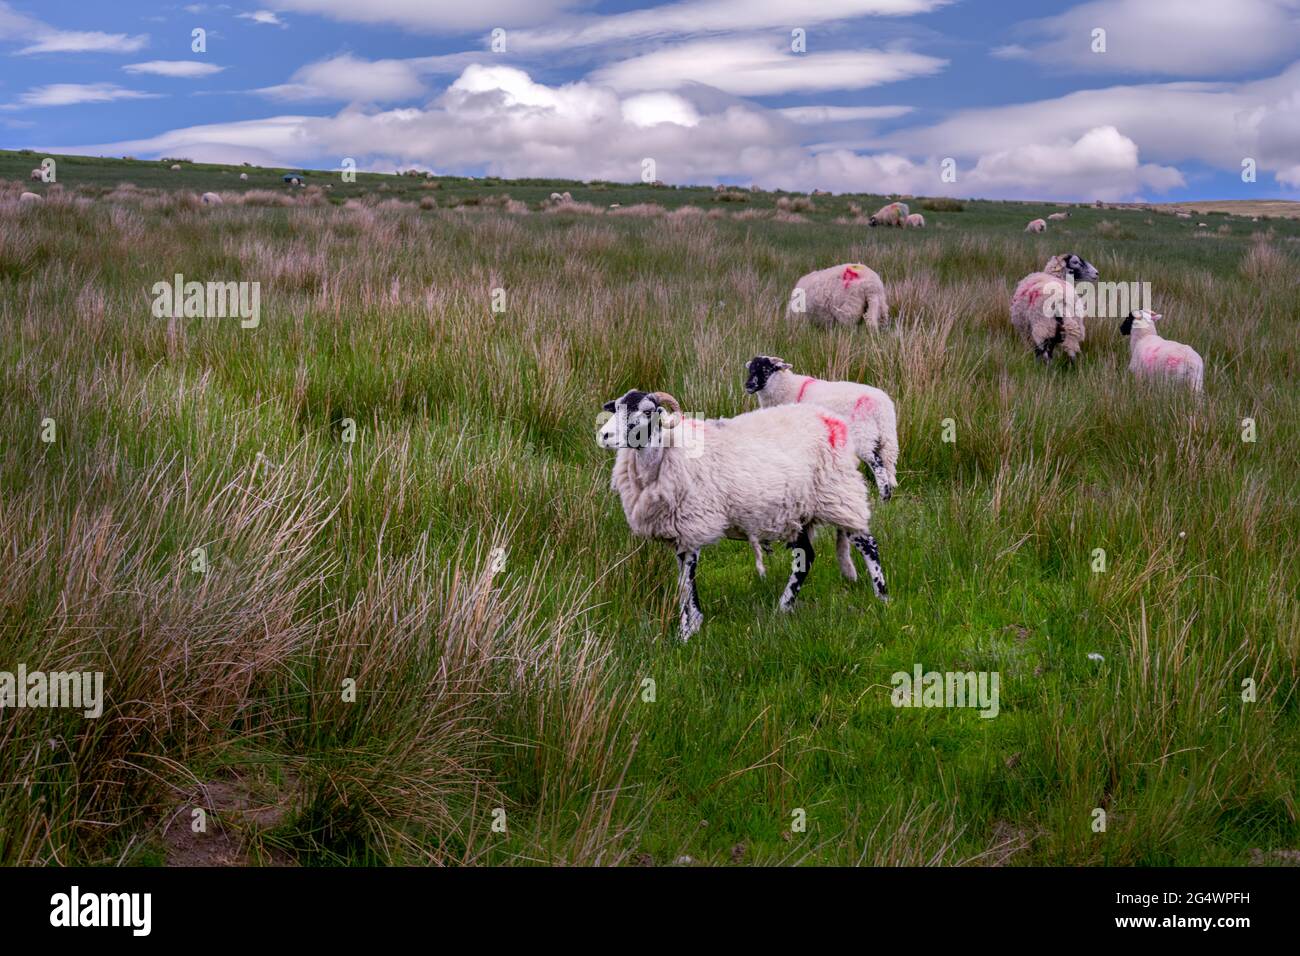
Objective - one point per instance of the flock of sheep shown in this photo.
(776, 473)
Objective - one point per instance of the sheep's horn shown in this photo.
(663, 398)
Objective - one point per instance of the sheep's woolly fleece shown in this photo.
(892, 214)
(873, 421)
(1156, 357)
(914, 221)
(1036, 225)
(1047, 309)
(841, 295)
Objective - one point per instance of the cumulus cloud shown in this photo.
(1166, 37)
(430, 16)
(264, 17)
(185, 69)
(71, 94)
(841, 114)
(755, 66)
(346, 78)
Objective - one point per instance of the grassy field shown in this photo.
(519, 696)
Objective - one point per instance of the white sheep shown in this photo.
(175, 166)
(556, 197)
(210, 199)
(30, 197)
(1058, 215)
(873, 422)
(845, 295)
(1183, 215)
(1153, 356)
(1036, 225)
(1046, 308)
(767, 475)
(243, 176)
(37, 176)
(914, 221)
(891, 214)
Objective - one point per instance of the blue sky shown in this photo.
(1016, 96)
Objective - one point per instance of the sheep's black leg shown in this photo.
(801, 563)
(691, 616)
(866, 544)
(877, 465)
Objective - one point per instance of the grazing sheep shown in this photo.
(1156, 357)
(914, 221)
(556, 197)
(873, 423)
(175, 166)
(37, 176)
(243, 175)
(210, 199)
(845, 295)
(1036, 225)
(768, 475)
(1047, 311)
(1058, 215)
(30, 197)
(1183, 215)
(892, 214)
(1202, 225)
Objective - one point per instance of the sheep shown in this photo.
(845, 295)
(1046, 310)
(1057, 216)
(566, 197)
(772, 474)
(556, 197)
(37, 176)
(243, 176)
(175, 166)
(892, 214)
(1036, 225)
(1183, 215)
(1153, 356)
(30, 197)
(873, 423)
(210, 199)
(914, 221)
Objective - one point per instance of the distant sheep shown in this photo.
(1183, 215)
(841, 295)
(30, 197)
(893, 214)
(243, 175)
(873, 422)
(769, 475)
(1047, 310)
(175, 166)
(210, 199)
(914, 221)
(1155, 357)
(1036, 225)
(37, 176)
(1058, 215)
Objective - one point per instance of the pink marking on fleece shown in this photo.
(804, 387)
(849, 276)
(837, 433)
(863, 406)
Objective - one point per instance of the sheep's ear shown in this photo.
(1126, 326)
(609, 407)
(779, 363)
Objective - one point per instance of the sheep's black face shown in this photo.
(760, 369)
(1126, 326)
(871, 221)
(632, 422)
(1081, 269)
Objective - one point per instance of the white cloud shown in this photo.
(349, 79)
(841, 114)
(693, 17)
(1168, 37)
(43, 38)
(265, 17)
(752, 66)
(436, 15)
(70, 94)
(185, 69)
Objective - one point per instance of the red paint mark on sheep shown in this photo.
(863, 406)
(849, 276)
(804, 387)
(837, 433)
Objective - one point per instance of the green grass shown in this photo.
(525, 689)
